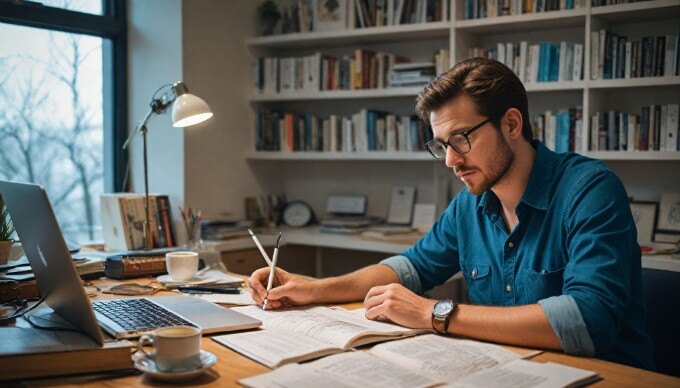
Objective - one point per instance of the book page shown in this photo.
(242, 299)
(443, 357)
(352, 369)
(335, 327)
(521, 373)
(273, 347)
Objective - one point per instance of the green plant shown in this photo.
(6, 225)
(268, 15)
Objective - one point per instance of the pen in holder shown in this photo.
(192, 221)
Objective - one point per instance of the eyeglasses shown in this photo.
(459, 141)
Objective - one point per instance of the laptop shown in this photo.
(62, 290)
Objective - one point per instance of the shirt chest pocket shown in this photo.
(478, 281)
(542, 284)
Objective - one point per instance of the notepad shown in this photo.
(302, 334)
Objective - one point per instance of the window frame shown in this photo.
(112, 27)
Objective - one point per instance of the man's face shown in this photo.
(490, 156)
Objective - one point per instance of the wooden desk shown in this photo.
(232, 366)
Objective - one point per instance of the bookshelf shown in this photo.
(655, 17)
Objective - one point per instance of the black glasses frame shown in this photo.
(448, 141)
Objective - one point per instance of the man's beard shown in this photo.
(502, 159)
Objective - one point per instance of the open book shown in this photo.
(302, 334)
(424, 361)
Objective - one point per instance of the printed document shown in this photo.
(424, 361)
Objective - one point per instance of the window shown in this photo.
(61, 88)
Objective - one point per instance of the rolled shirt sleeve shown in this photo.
(408, 276)
(567, 322)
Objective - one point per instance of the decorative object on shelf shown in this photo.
(669, 214)
(329, 15)
(187, 110)
(401, 205)
(192, 221)
(645, 216)
(6, 232)
(268, 15)
(298, 214)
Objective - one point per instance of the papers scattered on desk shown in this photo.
(308, 333)
(424, 361)
(242, 299)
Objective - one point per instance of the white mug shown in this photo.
(176, 348)
(181, 266)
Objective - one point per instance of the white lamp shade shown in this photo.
(189, 110)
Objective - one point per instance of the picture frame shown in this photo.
(329, 15)
(669, 213)
(645, 214)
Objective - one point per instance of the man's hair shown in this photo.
(491, 85)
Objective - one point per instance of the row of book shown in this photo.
(365, 70)
(613, 56)
(123, 219)
(377, 13)
(366, 130)
(657, 128)
(544, 62)
(599, 3)
(560, 132)
(478, 9)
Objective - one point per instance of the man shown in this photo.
(546, 241)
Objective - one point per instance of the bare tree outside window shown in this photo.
(51, 123)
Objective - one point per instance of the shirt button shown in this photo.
(510, 244)
(474, 273)
(508, 288)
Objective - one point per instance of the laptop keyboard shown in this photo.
(138, 314)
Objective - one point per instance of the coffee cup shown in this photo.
(176, 348)
(182, 266)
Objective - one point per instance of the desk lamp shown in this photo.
(186, 111)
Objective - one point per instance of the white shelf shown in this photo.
(339, 94)
(526, 22)
(312, 236)
(634, 82)
(634, 155)
(639, 11)
(353, 36)
(317, 155)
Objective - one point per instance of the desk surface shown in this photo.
(232, 366)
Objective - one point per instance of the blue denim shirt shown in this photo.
(574, 252)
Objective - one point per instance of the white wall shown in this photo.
(155, 59)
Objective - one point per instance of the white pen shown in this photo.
(259, 246)
(272, 269)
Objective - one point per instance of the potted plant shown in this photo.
(268, 15)
(6, 232)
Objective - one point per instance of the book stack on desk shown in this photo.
(27, 352)
(347, 224)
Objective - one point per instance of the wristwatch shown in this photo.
(441, 315)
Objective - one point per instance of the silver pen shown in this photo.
(272, 269)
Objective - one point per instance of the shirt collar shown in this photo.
(537, 192)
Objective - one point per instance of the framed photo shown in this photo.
(645, 216)
(329, 15)
(669, 213)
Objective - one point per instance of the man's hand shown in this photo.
(287, 289)
(398, 304)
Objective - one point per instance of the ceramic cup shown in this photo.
(181, 266)
(176, 348)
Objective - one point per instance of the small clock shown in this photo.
(297, 214)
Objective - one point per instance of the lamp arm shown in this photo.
(139, 128)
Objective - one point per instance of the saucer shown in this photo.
(167, 279)
(148, 365)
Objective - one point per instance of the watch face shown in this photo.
(443, 307)
(297, 214)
